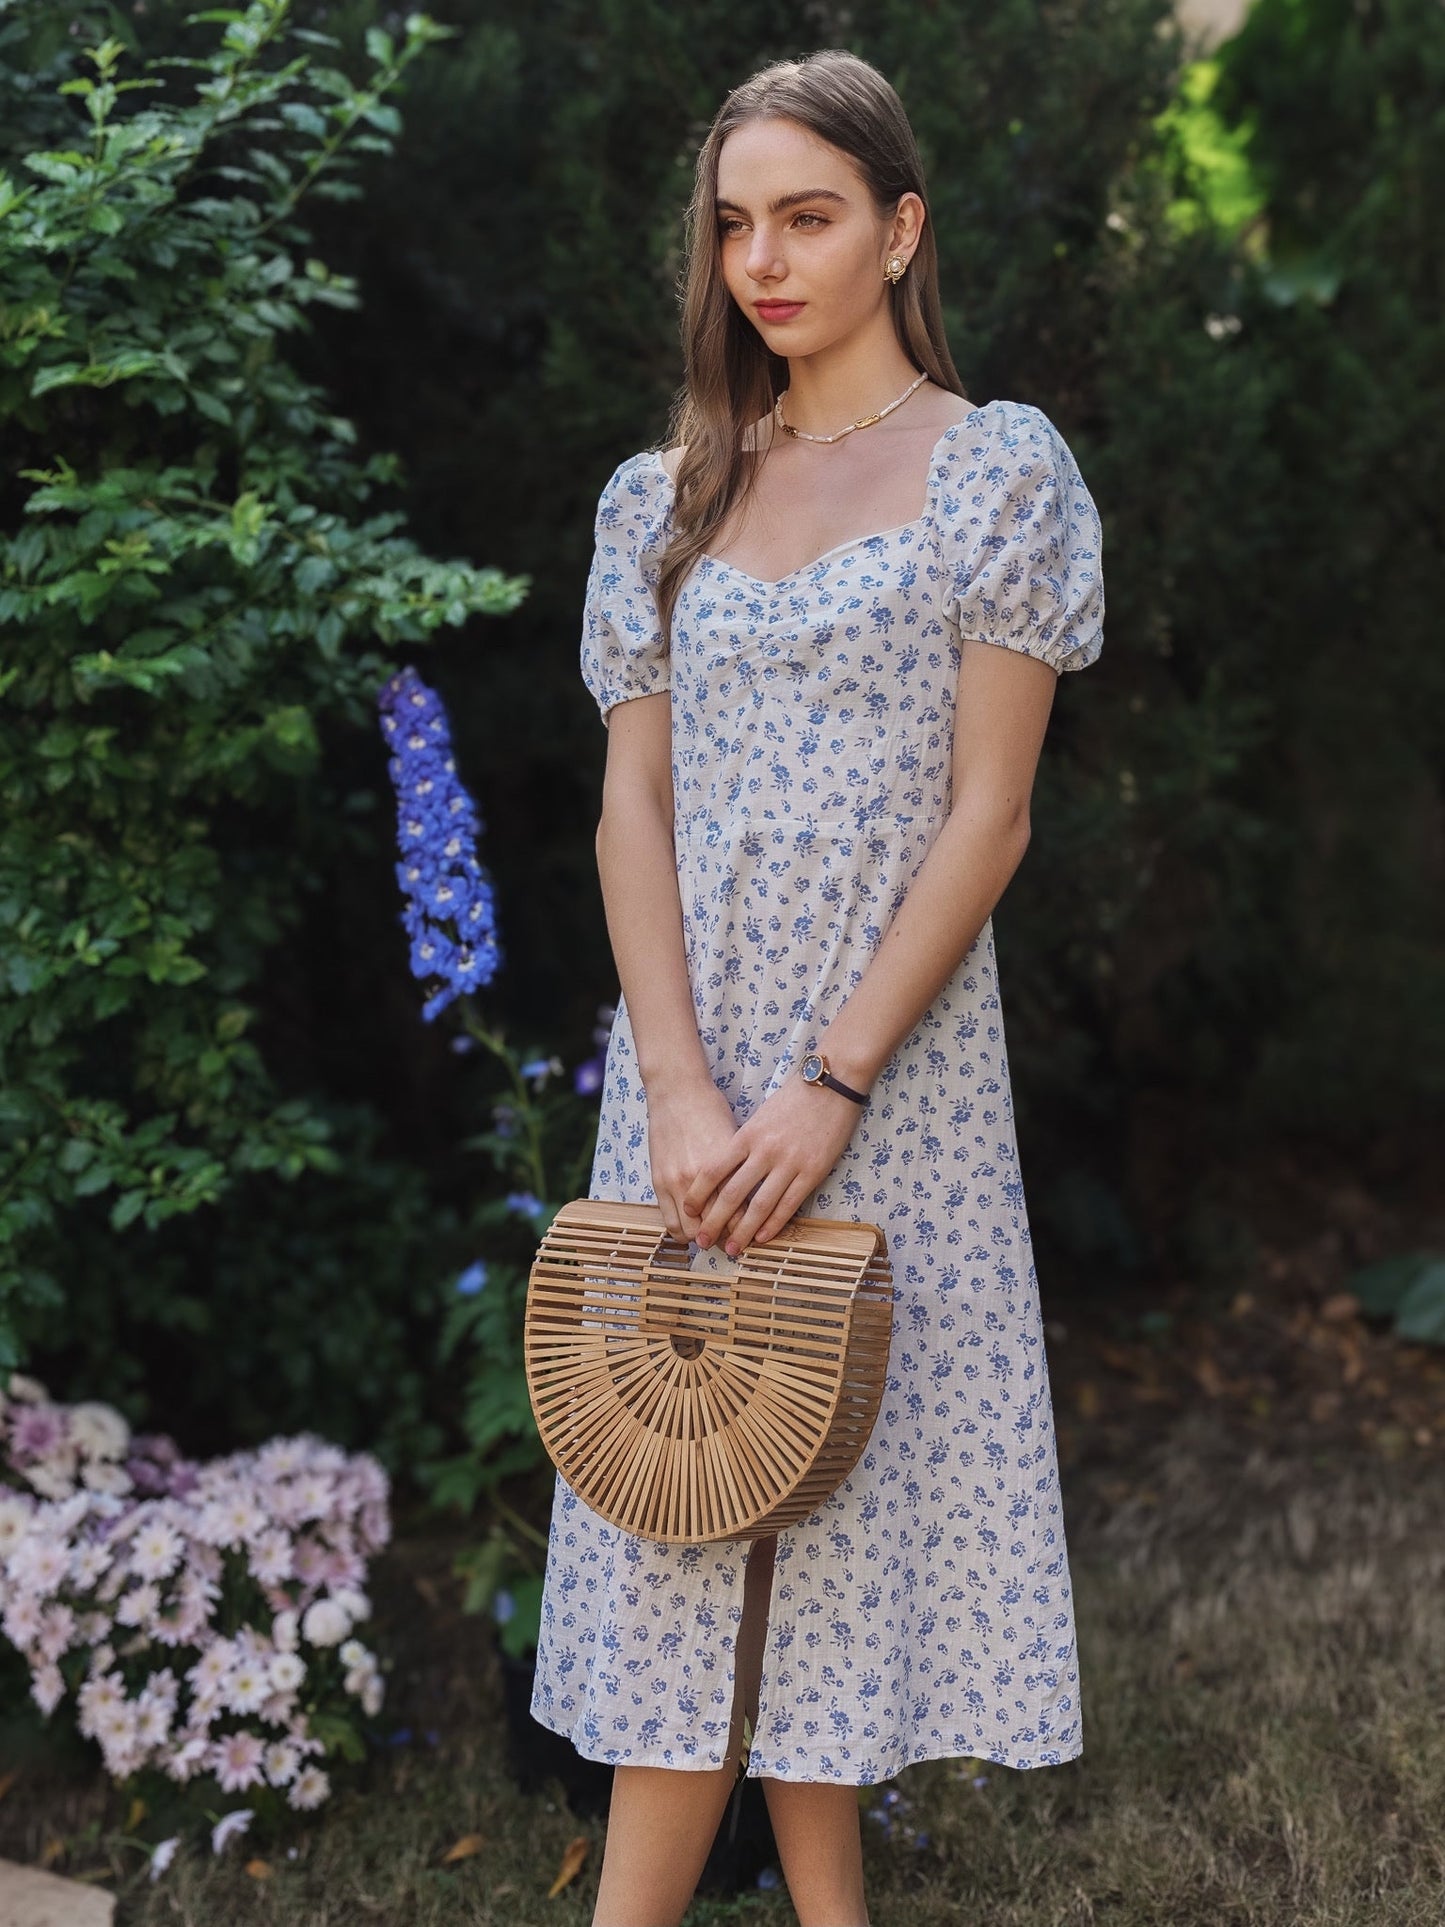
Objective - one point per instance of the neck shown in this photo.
(829, 390)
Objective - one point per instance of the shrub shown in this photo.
(197, 577)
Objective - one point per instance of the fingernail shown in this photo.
(731, 1249)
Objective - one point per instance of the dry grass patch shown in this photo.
(1263, 1653)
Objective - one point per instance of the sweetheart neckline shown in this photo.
(850, 542)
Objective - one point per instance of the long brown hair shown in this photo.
(730, 376)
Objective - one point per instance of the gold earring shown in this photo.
(895, 267)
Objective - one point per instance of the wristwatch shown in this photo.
(815, 1071)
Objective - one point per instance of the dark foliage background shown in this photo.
(1223, 281)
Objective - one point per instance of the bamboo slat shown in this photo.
(686, 1403)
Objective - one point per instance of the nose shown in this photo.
(763, 255)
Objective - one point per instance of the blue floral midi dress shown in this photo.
(925, 1610)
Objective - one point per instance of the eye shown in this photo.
(728, 223)
(822, 219)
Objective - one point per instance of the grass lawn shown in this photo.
(1261, 1615)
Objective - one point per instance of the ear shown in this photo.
(908, 220)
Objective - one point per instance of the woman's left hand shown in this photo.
(770, 1164)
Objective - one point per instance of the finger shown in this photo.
(708, 1177)
(736, 1219)
(785, 1209)
(694, 1219)
(667, 1205)
(729, 1200)
(760, 1209)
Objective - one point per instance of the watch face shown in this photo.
(812, 1067)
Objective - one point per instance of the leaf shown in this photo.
(519, 1633)
(127, 1207)
(338, 1735)
(1382, 1287)
(212, 407)
(304, 118)
(1339, 1308)
(1421, 1315)
(1208, 1376)
(58, 375)
(573, 1861)
(465, 1848)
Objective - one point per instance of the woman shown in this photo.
(824, 628)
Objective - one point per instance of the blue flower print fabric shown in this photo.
(925, 1609)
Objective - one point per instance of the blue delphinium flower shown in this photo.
(587, 1077)
(526, 1204)
(472, 1279)
(449, 914)
(589, 1074)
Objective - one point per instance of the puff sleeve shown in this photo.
(1023, 542)
(622, 653)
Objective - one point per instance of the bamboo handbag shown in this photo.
(717, 1399)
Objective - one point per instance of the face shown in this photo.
(797, 225)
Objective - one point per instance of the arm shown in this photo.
(1003, 707)
(795, 1137)
(689, 1121)
(638, 873)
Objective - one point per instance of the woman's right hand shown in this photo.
(686, 1126)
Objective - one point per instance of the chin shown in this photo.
(791, 337)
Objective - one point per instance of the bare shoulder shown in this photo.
(951, 408)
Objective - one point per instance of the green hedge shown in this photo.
(200, 573)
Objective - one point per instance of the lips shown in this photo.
(779, 310)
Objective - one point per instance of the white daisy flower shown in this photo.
(248, 1687)
(20, 1621)
(325, 1622)
(52, 1478)
(163, 1855)
(310, 1788)
(213, 1667)
(156, 1550)
(152, 1722)
(139, 1605)
(353, 1602)
(47, 1688)
(89, 1562)
(100, 1475)
(99, 1430)
(287, 1671)
(39, 1563)
(282, 1762)
(231, 1823)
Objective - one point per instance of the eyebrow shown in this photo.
(785, 200)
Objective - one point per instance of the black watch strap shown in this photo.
(822, 1075)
